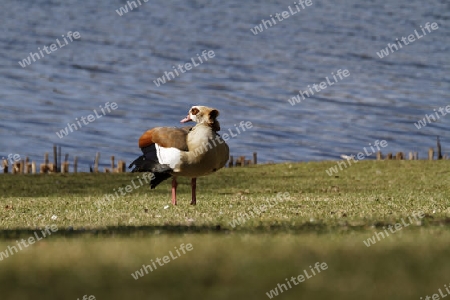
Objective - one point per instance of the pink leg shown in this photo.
(174, 190)
(194, 187)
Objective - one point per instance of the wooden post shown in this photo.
(439, 150)
(242, 161)
(389, 156)
(121, 166)
(33, 167)
(255, 158)
(5, 166)
(27, 166)
(51, 168)
(97, 158)
(230, 162)
(411, 155)
(16, 167)
(44, 167)
(112, 163)
(65, 164)
(379, 155)
(59, 159)
(55, 159)
(75, 164)
(430, 154)
(399, 156)
(416, 155)
(21, 166)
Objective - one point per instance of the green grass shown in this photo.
(325, 219)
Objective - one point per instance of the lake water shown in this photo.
(250, 78)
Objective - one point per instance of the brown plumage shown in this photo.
(165, 137)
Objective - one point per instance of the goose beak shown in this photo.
(187, 119)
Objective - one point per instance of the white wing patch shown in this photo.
(168, 156)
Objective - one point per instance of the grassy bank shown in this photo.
(241, 248)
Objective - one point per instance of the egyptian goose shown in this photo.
(189, 151)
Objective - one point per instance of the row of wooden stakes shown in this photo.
(411, 156)
(241, 161)
(415, 155)
(27, 167)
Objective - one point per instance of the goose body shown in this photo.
(189, 152)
